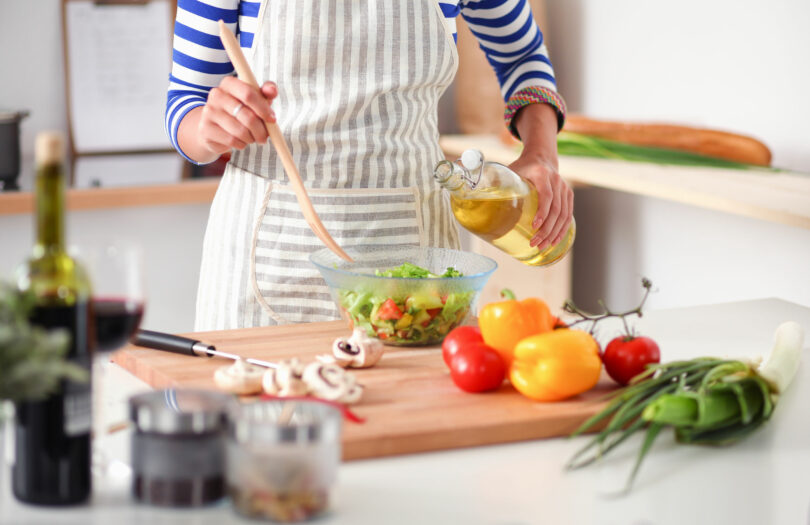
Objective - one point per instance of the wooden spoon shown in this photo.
(246, 75)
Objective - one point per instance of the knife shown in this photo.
(185, 346)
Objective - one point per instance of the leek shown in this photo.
(706, 401)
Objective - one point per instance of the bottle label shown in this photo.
(77, 409)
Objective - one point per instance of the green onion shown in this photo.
(706, 401)
(578, 145)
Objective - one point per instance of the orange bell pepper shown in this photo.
(555, 365)
(504, 323)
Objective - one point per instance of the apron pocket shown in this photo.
(286, 285)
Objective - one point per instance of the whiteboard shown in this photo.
(118, 59)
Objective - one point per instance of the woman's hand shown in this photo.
(233, 117)
(555, 200)
(537, 125)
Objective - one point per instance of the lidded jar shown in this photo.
(178, 447)
(497, 205)
(283, 458)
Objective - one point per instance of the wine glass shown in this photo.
(118, 295)
(116, 275)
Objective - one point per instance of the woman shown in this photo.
(355, 85)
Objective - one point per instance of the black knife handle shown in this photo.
(167, 342)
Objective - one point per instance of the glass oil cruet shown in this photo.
(498, 205)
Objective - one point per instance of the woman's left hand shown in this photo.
(537, 124)
(555, 200)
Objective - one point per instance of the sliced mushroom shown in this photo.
(327, 381)
(239, 378)
(357, 351)
(352, 395)
(286, 380)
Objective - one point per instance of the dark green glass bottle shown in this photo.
(52, 436)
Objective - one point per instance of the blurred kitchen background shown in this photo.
(737, 65)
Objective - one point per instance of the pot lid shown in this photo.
(7, 115)
(181, 411)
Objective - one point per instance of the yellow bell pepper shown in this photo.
(504, 323)
(555, 365)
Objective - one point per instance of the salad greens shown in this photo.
(412, 271)
(419, 317)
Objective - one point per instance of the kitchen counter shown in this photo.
(764, 479)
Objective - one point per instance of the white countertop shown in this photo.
(764, 479)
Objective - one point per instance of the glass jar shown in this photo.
(282, 458)
(496, 204)
(178, 447)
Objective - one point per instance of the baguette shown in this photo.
(709, 142)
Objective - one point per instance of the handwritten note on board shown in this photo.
(119, 57)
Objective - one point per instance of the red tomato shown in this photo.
(626, 357)
(477, 368)
(389, 310)
(459, 338)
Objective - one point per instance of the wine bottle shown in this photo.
(52, 436)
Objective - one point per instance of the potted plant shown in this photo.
(32, 360)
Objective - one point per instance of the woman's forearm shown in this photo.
(537, 126)
(189, 141)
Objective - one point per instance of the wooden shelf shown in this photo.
(782, 197)
(187, 192)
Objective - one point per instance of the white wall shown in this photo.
(693, 256)
(33, 75)
(740, 65)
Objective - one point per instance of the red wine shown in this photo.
(116, 322)
(52, 460)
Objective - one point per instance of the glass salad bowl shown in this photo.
(405, 296)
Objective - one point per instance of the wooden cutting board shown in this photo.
(410, 403)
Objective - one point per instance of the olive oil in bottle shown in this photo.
(52, 435)
(497, 205)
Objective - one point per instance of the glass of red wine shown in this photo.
(116, 276)
(118, 295)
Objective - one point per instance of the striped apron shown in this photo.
(359, 84)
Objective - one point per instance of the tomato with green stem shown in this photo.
(627, 356)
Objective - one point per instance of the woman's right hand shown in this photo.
(235, 115)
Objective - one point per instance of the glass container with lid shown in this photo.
(178, 447)
(282, 458)
(498, 205)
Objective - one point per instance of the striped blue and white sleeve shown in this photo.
(199, 61)
(513, 43)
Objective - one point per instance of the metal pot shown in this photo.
(10, 148)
